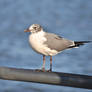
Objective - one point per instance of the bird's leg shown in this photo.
(50, 63)
(43, 66)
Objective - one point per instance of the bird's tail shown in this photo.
(79, 43)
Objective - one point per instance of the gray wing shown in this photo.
(57, 43)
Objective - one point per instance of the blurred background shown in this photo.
(71, 19)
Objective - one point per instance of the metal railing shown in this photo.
(54, 78)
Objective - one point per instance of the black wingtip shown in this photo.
(82, 41)
(79, 43)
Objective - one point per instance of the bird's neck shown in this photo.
(40, 33)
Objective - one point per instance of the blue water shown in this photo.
(71, 19)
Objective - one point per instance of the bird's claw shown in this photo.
(43, 70)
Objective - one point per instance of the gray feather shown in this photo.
(56, 42)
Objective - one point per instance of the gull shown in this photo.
(49, 44)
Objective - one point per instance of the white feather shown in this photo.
(37, 40)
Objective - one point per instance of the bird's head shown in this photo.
(34, 28)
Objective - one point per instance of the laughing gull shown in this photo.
(49, 44)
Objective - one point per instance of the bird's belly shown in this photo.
(38, 46)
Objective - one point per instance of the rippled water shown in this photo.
(71, 19)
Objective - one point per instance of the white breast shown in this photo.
(37, 40)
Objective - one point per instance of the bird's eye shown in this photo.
(34, 28)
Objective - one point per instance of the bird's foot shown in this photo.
(40, 70)
(43, 70)
(49, 70)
